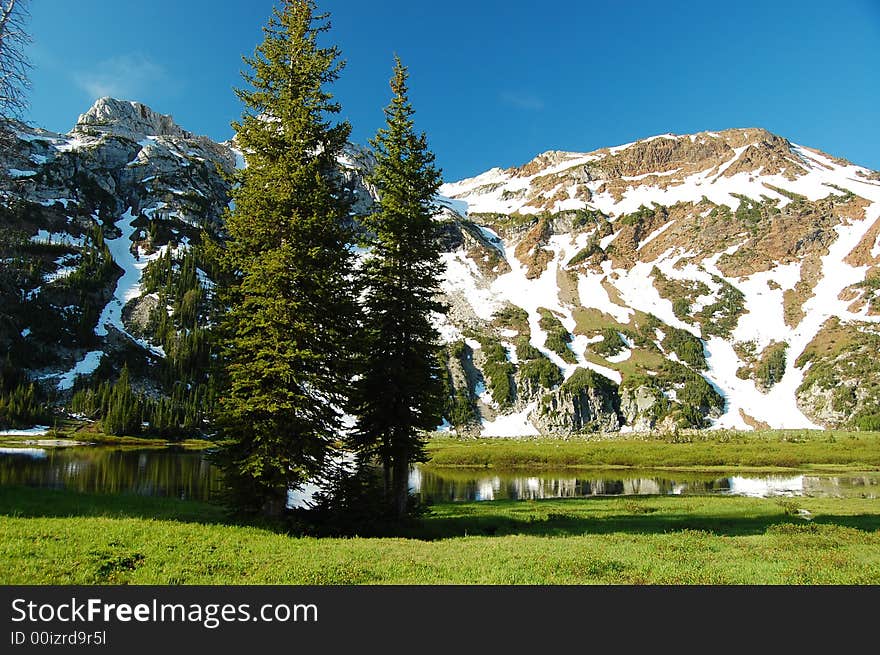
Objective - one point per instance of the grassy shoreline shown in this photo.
(759, 451)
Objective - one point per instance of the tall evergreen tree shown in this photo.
(291, 305)
(399, 393)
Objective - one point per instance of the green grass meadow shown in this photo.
(55, 537)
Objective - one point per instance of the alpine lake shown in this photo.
(189, 474)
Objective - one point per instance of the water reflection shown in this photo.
(187, 474)
(435, 485)
(155, 472)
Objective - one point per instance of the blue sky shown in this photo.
(494, 83)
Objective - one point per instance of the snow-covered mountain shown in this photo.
(736, 255)
(723, 279)
(85, 213)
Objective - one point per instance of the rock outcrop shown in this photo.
(586, 402)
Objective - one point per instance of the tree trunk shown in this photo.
(275, 505)
(400, 498)
(386, 472)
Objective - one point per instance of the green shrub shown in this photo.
(526, 351)
(772, 366)
(542, 372)
(610, 345)
(688, 347)
(592, 248)
(498, 372)
(583, 379)
(867, 422)
(558, 337)
(681, 307)
(720, 318)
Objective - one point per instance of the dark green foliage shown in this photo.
(399, 393)
(458, 408)
(503, 221)
(720, 318)
(693, 392)
(351, 503)
(123, 413)
(871, 285)
(184, 400)
(57, 311)
(867, 420)
(498, 372)
(592, 248)
(583, 379)
(681, 307)
(541, 371)
(534, 365)
(846, 361)
(797, 200)
(772, 365)
(287, 334)
(720, 213)
(95, 268)
(682, 293)
(844, 399)
(700, 394)
(558, 337)
(22, 406)
(21, 402)
(512, 317)
(610, 345)
(643, 214)
(590, 217)
(461, 410)
(180, 330)
(684, 344)
(184, 412)
(662, 406)
(749, 212)
(695, 397)
(690, 416)
(526, 351)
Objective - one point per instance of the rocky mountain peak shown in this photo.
(128, 119)
(701, 151)
(542, 162)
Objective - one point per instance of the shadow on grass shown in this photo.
(502, 518)
(654, 521)
(31, 502)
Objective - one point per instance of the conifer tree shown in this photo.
(399, 393)
(291, 304)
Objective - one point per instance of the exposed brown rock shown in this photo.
(530, 250)
(542, 162)
(753, 423)
(861, 254)
(793, 299)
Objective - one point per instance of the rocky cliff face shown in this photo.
(722, 279)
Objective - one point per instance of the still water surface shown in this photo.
(190, 475)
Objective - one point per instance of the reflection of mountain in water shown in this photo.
(185, 474)
(858, 486)
(458, 485)
(165, 472)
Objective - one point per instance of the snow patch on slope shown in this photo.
(87, 365)
(128, 286)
